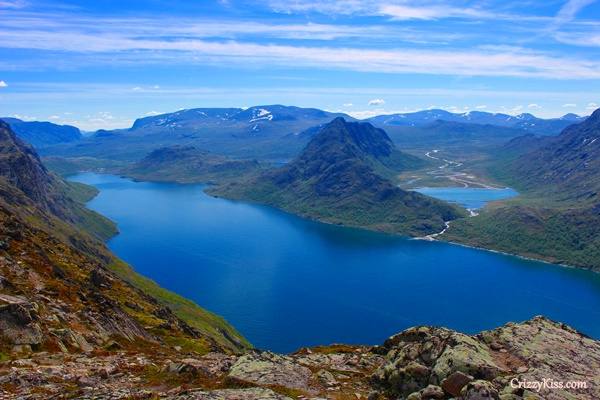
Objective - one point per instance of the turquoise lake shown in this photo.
(471, 198)
(285, 282)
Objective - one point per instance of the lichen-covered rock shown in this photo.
(421, 356)
(479, 390)
(530, 352)
(432, 392)
(233, 394)
(465, 354)
(266, 368)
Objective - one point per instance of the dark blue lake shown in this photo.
(285, 282)
(471, 198)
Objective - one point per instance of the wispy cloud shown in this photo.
(582, 38)
(570, 9)
(3, 84)
(13, 3)
(406, 12)
(476, 62)
(398, 9)
(569, 105)
(567, 15)
(376, 102)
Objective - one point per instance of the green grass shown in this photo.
(65, 166)
(85, 219)
(81, 192)
(212, 325)
(525, 227)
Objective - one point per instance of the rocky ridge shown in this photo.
(420, 363)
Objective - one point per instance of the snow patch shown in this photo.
(261, 114)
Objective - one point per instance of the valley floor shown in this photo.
(446, 172)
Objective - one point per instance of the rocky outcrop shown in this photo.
(490, 365)
(19, 322)
(421, 363)
(271, 369)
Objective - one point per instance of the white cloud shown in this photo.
(476, 62)
(591, 106)
(136, 41)
(512, 110)
(105, 115)
(13, 4)
(405, 12)
(376, 102)
(400, 10)
(152, 113)
(137, 89)
(534, 106)
(348, 104)
(569, 105)
(3, 84)
(584, 38)
(24, 117)
(570, 9)
(481, 107)
(54, 117)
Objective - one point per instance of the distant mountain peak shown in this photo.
(341, 177)
(571, 117)
(370, 140)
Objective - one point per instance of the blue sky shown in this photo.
(102, 64)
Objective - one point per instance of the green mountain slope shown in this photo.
(557, 217)
(338, 179)
(187, 164)
(62, 290)
(566, 167)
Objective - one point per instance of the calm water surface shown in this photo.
(471, 198)
(285, 282)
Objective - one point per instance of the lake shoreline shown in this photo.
(309, 255)
(430, 237)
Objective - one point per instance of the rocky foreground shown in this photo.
(419, 363)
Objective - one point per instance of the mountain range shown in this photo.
(276, 132)
(557, 216)
(340, 177)
(525, 121)
(41, 134)
(258, 132)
